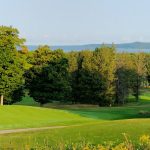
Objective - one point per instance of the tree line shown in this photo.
(103, 76)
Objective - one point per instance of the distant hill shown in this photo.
(127, 47)
(135, 45)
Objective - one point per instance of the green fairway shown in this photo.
(94, 124)
(26, 116)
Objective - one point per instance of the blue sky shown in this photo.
(61, 22)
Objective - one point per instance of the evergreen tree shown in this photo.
(104, 60)
(87, 84)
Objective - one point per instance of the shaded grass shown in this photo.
(27, 101)
(128, 111)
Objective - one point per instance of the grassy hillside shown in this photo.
(95, 124)
(18, 116)
(26, 116)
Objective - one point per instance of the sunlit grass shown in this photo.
(14, 116)
(96, 125)
(94, 133)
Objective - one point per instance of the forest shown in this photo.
(104, 76)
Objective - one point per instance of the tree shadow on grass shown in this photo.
(114, 113)
(132, 110)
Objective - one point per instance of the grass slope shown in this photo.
(26, 116)
(96, 124)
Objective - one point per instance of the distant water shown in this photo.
(133, 50)
(88, 47)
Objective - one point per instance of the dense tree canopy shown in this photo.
(103, 76)
(48, 79)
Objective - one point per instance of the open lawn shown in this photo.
(12, 117)
(94, 125)
(94, 133)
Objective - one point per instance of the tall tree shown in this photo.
(105, 63)
(124, 77)
(148, 68)
(86, 83)
(49, 81)
(139, 65)
(11, 72)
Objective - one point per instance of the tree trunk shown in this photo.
(2, 100)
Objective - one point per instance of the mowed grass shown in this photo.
(94, 133)
(94, 125)
(15, 116)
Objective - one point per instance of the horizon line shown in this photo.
(87, 44)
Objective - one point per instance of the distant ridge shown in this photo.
(126, 47)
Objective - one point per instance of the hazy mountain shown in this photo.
(127, 47)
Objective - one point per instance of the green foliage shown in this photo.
(105, 63)
(130, 74)
(11, 71)
(88, 87)
(87, 84)
(49, 80)
(139, 66)
(147, 61)
(102, 77)
(42, 55)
